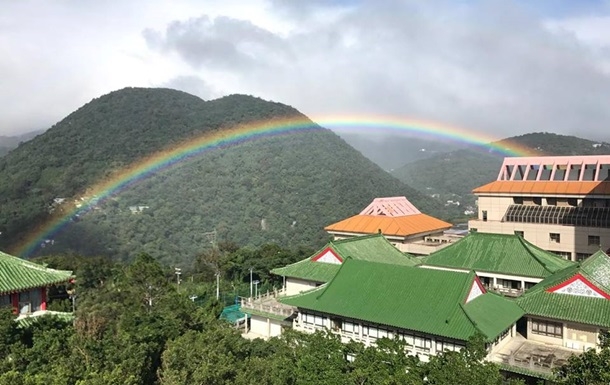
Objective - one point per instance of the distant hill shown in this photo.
(453, 175)
(393, 151)
(7, 143)
(282, 189)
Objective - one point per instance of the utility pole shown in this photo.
(177, 271)
(217, 286)
(250, 282)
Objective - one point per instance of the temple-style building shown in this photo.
(322, 266)
(560, 204)
(432, 310)
(24, 284)
(400, 222)
(507, 264)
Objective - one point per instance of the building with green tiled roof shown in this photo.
(570, 307)
(322, 266)
(23, 284)
(432, 309)
(507, 263)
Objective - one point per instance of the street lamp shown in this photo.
(256, 288)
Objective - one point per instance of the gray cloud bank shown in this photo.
(487, 66)
(490, 66)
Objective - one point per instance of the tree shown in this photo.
(589, 368)
(466, 366)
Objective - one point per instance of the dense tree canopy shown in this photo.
(282, 189)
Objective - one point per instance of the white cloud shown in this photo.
(489, 66)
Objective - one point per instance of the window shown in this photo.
(547, 328)
(350, 327)
(555, 237)
(25, 306)
(593, 240)
(519, 233)
(5, 300)
(484, 215)
(582, 256)
(551, 201)
(537, 200)
(518, 200)
(313, 319)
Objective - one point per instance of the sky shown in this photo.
(502, 68)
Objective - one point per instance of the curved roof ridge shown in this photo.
(346, 261)
(527, 248)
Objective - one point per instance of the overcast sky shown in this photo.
(501, 67)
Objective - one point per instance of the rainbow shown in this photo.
(218, 139)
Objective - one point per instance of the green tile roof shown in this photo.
(368, 248)
(17, 274)
(537, 301)
(498, 253)
(424, 300)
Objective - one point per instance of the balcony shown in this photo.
(267, 304)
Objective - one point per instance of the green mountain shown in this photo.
(453, 175)
(282, 189)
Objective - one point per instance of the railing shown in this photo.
(535, 363)
(267, 303)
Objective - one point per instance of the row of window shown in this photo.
(572, 216)
(547, 328)
(592, 240)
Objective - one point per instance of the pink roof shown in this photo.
(390, 207)
(556, 168)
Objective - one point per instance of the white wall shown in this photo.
(296, 286)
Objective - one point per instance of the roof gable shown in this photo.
(388, 295)
(369, 248)
(327, 256)
(476, 290)
(498, 253)
(565, 295)
(580, 286)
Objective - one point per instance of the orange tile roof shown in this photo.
(546, 187)
(399, 226)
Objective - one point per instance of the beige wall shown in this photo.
(265, 327)
(573, 240)
(296, 286)
(575, 336)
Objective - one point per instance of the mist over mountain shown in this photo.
(394, 151)
(8, 143)
(281, 189)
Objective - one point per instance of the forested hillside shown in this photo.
(282, 189)
(454, 175)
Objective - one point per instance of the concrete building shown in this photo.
(560, 204)
(400, 222)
